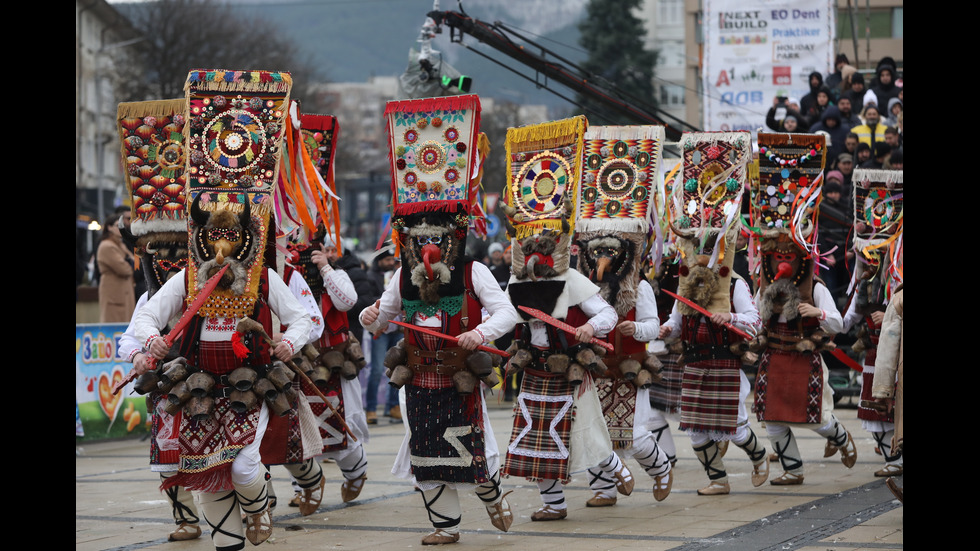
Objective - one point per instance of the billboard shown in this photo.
(757, 50)
(99, 414)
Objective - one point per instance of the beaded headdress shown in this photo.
(785, 205)
(234, 139)
(704, 212)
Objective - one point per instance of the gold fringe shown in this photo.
(140, 109)
(483, 150)
(530, 228)
(546, 135)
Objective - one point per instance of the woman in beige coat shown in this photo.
(116, 286)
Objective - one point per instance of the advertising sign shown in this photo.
(757, 50)
(97, 367)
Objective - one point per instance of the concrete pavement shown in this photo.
(118, 505)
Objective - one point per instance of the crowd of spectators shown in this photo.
(863, 124)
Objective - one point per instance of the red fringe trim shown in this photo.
(800, 140)
(217, 479)
(457, 205)
(468, 101)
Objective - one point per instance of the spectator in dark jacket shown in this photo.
(817, 109)
(856, 92)
(382, 268)
(880, 152)
(815, 81)
(845, 165)
(830, 123)
(848, 118)
(883, 86)
(835, 226)
(836, 79)
(367, 290)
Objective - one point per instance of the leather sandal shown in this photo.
(624, 480)
(186, 531)
(760, 473)
(440, 537)
(849, 452)
(598, 500)
(890, 470)
(258, 527)
(829, 449)
(715, 489)
(547, 513)
(500, 515)
(309, 502)
(350, 489)
(787, 479)
(662, 485)
(897, 491)
(296, 499)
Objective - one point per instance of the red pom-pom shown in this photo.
(241, 351)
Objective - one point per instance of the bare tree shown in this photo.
(181, 35)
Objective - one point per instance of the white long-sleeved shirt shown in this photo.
(129, 345)
(503, 316)
(337, 284)
(304, 296)
(647, 318)
(851, 317)
(169, 300)
(745, 317)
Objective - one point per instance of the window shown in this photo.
(882, 22)
(670, 12)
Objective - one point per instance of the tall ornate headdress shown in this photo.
(785, 206)
(704, 214)
(878, 233)
(436, 154)
(234, 138)
(151, 135)
(615, 202)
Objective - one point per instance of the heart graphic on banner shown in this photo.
(107, 400)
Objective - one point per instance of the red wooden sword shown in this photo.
(694, 305)
(446, 337)
(181, 324)
(538, 314)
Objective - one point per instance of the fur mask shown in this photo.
(610, 262)
(782, 259)
(432, 255)
(541, 255)
(708, 286)
(779, 297)
(223, 236)
(869, 290)
(164, 256)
